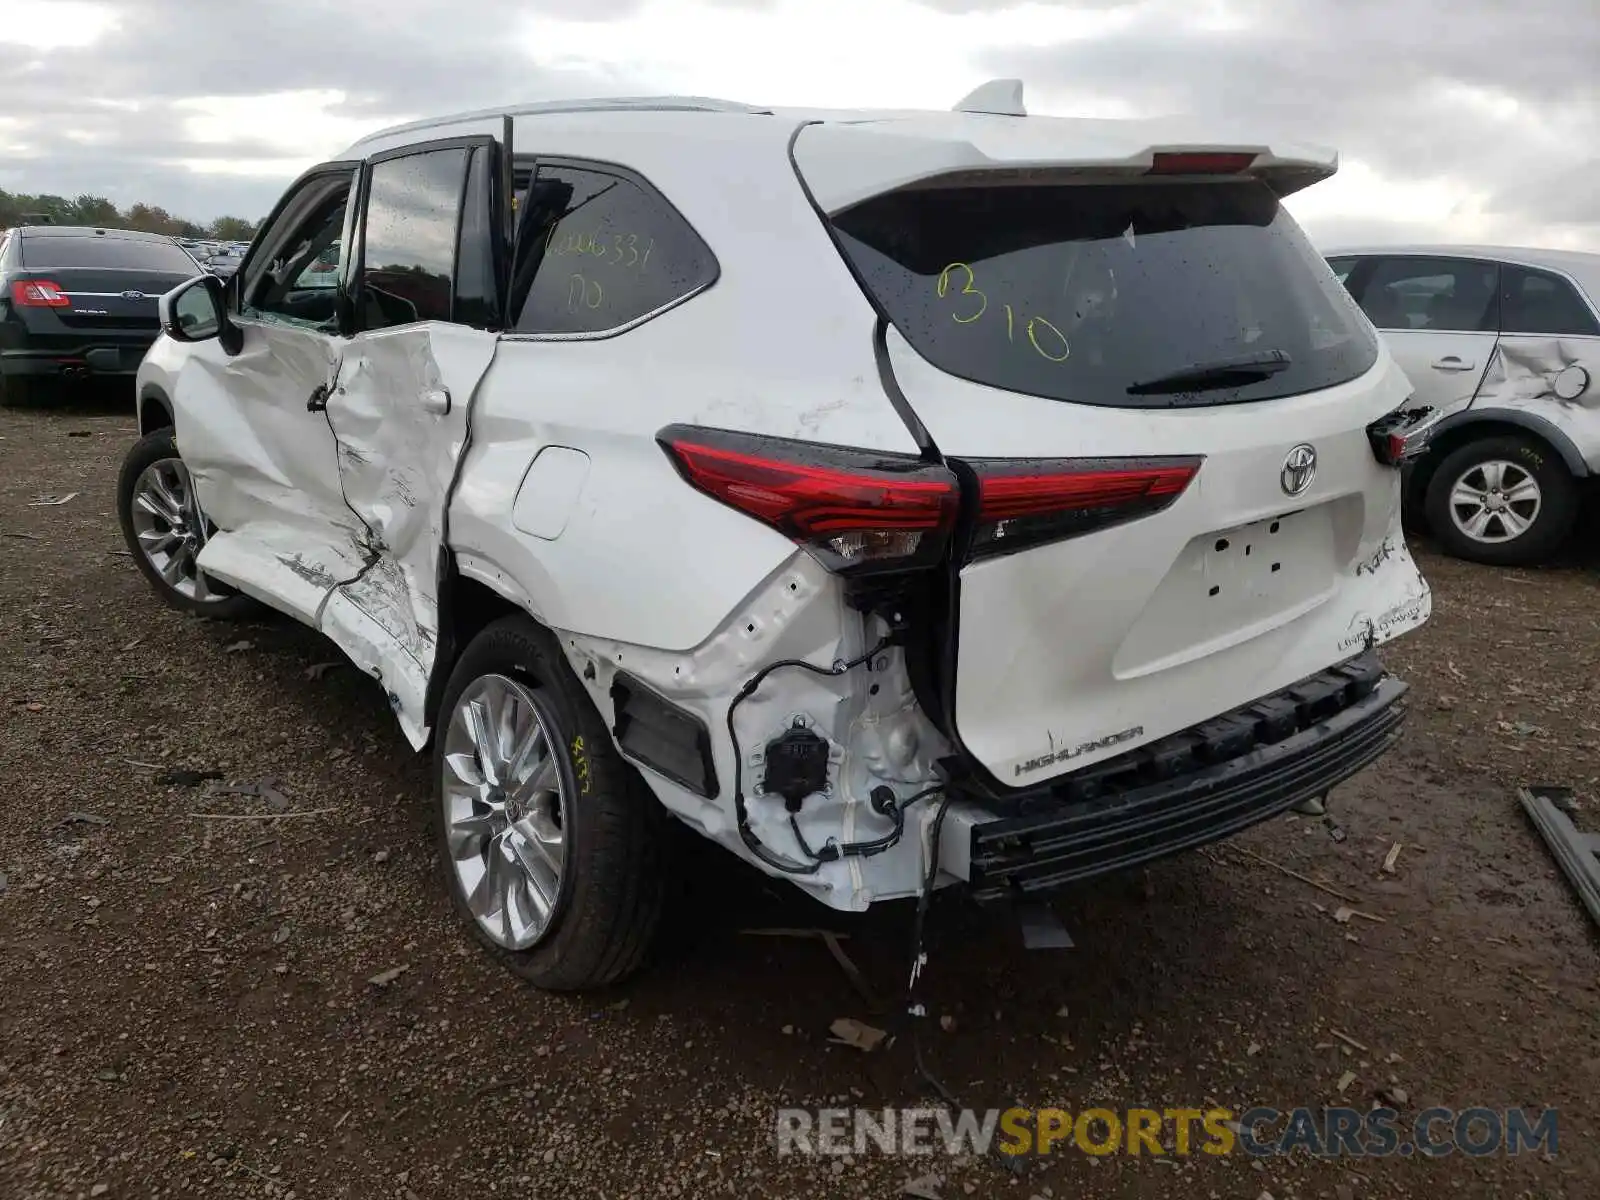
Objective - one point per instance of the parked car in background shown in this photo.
(967, 554)
(1504, 344)
(77, 301)
(224, 262)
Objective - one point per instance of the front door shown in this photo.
(250, 426)
(1439, 317)
(426, 304)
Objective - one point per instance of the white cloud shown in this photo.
(1471, 125)
(54, 24)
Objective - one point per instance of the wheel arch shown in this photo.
(473, 594)
(1464, 427)
(155, 409)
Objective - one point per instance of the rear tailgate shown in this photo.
(108, 299)
(1169, 354)
(110, 283)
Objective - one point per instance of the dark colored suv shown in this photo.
(76, 302)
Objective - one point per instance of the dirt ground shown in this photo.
(185, 1005)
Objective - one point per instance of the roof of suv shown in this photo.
(856, 153)
(135, 235)
(1529, 255)
(1579, 265)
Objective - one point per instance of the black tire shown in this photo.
(1558, 501)
(225, 604)
(616, 869)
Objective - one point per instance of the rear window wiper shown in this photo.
(1229, 372)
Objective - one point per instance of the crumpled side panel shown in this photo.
(399, 446)
(266, 468)
(1525, 375)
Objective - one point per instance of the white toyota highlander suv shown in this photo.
(894, 498)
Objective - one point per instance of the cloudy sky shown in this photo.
(1459, 120)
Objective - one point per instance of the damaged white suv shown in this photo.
(895, 499)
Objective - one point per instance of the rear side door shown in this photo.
(427, 310)
(1439, 317)
(250, 426)
(1548, 360)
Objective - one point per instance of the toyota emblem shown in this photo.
(1299, 469)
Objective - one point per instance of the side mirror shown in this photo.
(196, 311)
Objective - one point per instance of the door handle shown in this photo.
(318, 400)
(1451, 362)
(436, 401)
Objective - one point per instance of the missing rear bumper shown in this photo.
(1192, 788)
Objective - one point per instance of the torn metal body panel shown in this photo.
(401, 414)
(266, 475)
(1576, 853)
(876, 735)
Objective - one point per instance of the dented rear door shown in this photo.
(426, 302)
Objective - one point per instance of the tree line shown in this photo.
(21, 208)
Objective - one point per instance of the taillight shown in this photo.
(1200, 162)
(858, 511)
(1024, 502)
(1401, 436)
(38, 293)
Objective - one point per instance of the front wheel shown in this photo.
(554, 851)
(165, 529)
(1504, 500)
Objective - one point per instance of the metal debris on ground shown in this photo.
(1345, 1081)
(384, 978)
(1041, 928)
(239, 647)
(1391, 858)
(82, 818)
(847, 1031)
(317, 670)
(1576, 853)
(265, 789)
(49, 500)
(923, 1187)
(183, 777)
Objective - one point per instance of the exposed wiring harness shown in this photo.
(831, 851)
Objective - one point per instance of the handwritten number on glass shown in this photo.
(1044, 337)
(968, 288)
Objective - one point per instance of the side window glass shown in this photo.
(1342, 268)
(299, 284)
(597, 250)
(1539, 302)
(408, 256)
(1451, 294)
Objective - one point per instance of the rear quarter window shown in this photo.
(1539, 302)
(599, 250)
(1083, 292)
(52, 253)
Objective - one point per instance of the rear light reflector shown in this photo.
(38, 293)
(1200, 163)
(857, 511)
(1026, 502)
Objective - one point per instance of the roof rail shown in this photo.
(596, 104)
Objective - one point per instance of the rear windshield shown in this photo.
(1126, 295)
(51, 252)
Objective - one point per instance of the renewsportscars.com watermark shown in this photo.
(1257, 1132)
